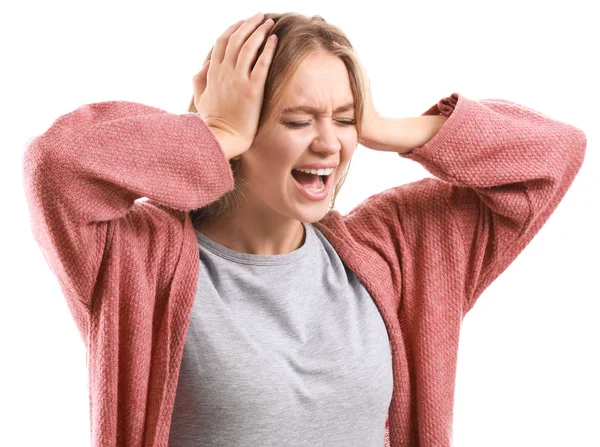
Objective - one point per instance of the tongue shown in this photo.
(310, 180)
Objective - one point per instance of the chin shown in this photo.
(314, 212)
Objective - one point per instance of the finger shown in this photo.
(203, 71)
(218, 52)
(250, 48)
(259, 73)
(239, 37)
(200, 79)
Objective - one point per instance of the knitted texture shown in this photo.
(425, 250)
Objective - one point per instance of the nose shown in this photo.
(326, 140)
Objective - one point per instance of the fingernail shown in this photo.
(258, 15)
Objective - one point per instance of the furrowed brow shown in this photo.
(313, 110)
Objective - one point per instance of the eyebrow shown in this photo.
(313, 110)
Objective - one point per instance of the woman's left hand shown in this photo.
(399, 135)
(371, 121)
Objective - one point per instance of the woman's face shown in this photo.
(323, 135)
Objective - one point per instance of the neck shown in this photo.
(255, 232)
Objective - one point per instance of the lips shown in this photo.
(298, 174)
(317, 166)
(312, 195)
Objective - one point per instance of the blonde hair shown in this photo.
(298, 37)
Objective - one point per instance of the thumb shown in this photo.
(199, 80)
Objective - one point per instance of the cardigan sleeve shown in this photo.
(500, 170)
(88, 169)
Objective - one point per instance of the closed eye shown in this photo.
(296, 125)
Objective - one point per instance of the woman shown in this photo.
(235, 307)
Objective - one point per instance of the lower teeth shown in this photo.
(321, 189)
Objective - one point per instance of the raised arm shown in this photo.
(500, 170)
(90, 166)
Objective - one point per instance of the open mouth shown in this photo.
(312, 182)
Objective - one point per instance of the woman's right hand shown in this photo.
(227, 95)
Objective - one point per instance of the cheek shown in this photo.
(351, 138)
(296, 139)
(276, 156)
(349, 147)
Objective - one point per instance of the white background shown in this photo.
(528, 358)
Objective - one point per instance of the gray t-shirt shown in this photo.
(282, 350)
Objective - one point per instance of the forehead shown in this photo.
(321, 82)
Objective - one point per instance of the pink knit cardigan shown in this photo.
(424, 250)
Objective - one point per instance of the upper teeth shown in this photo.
(317, 171)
